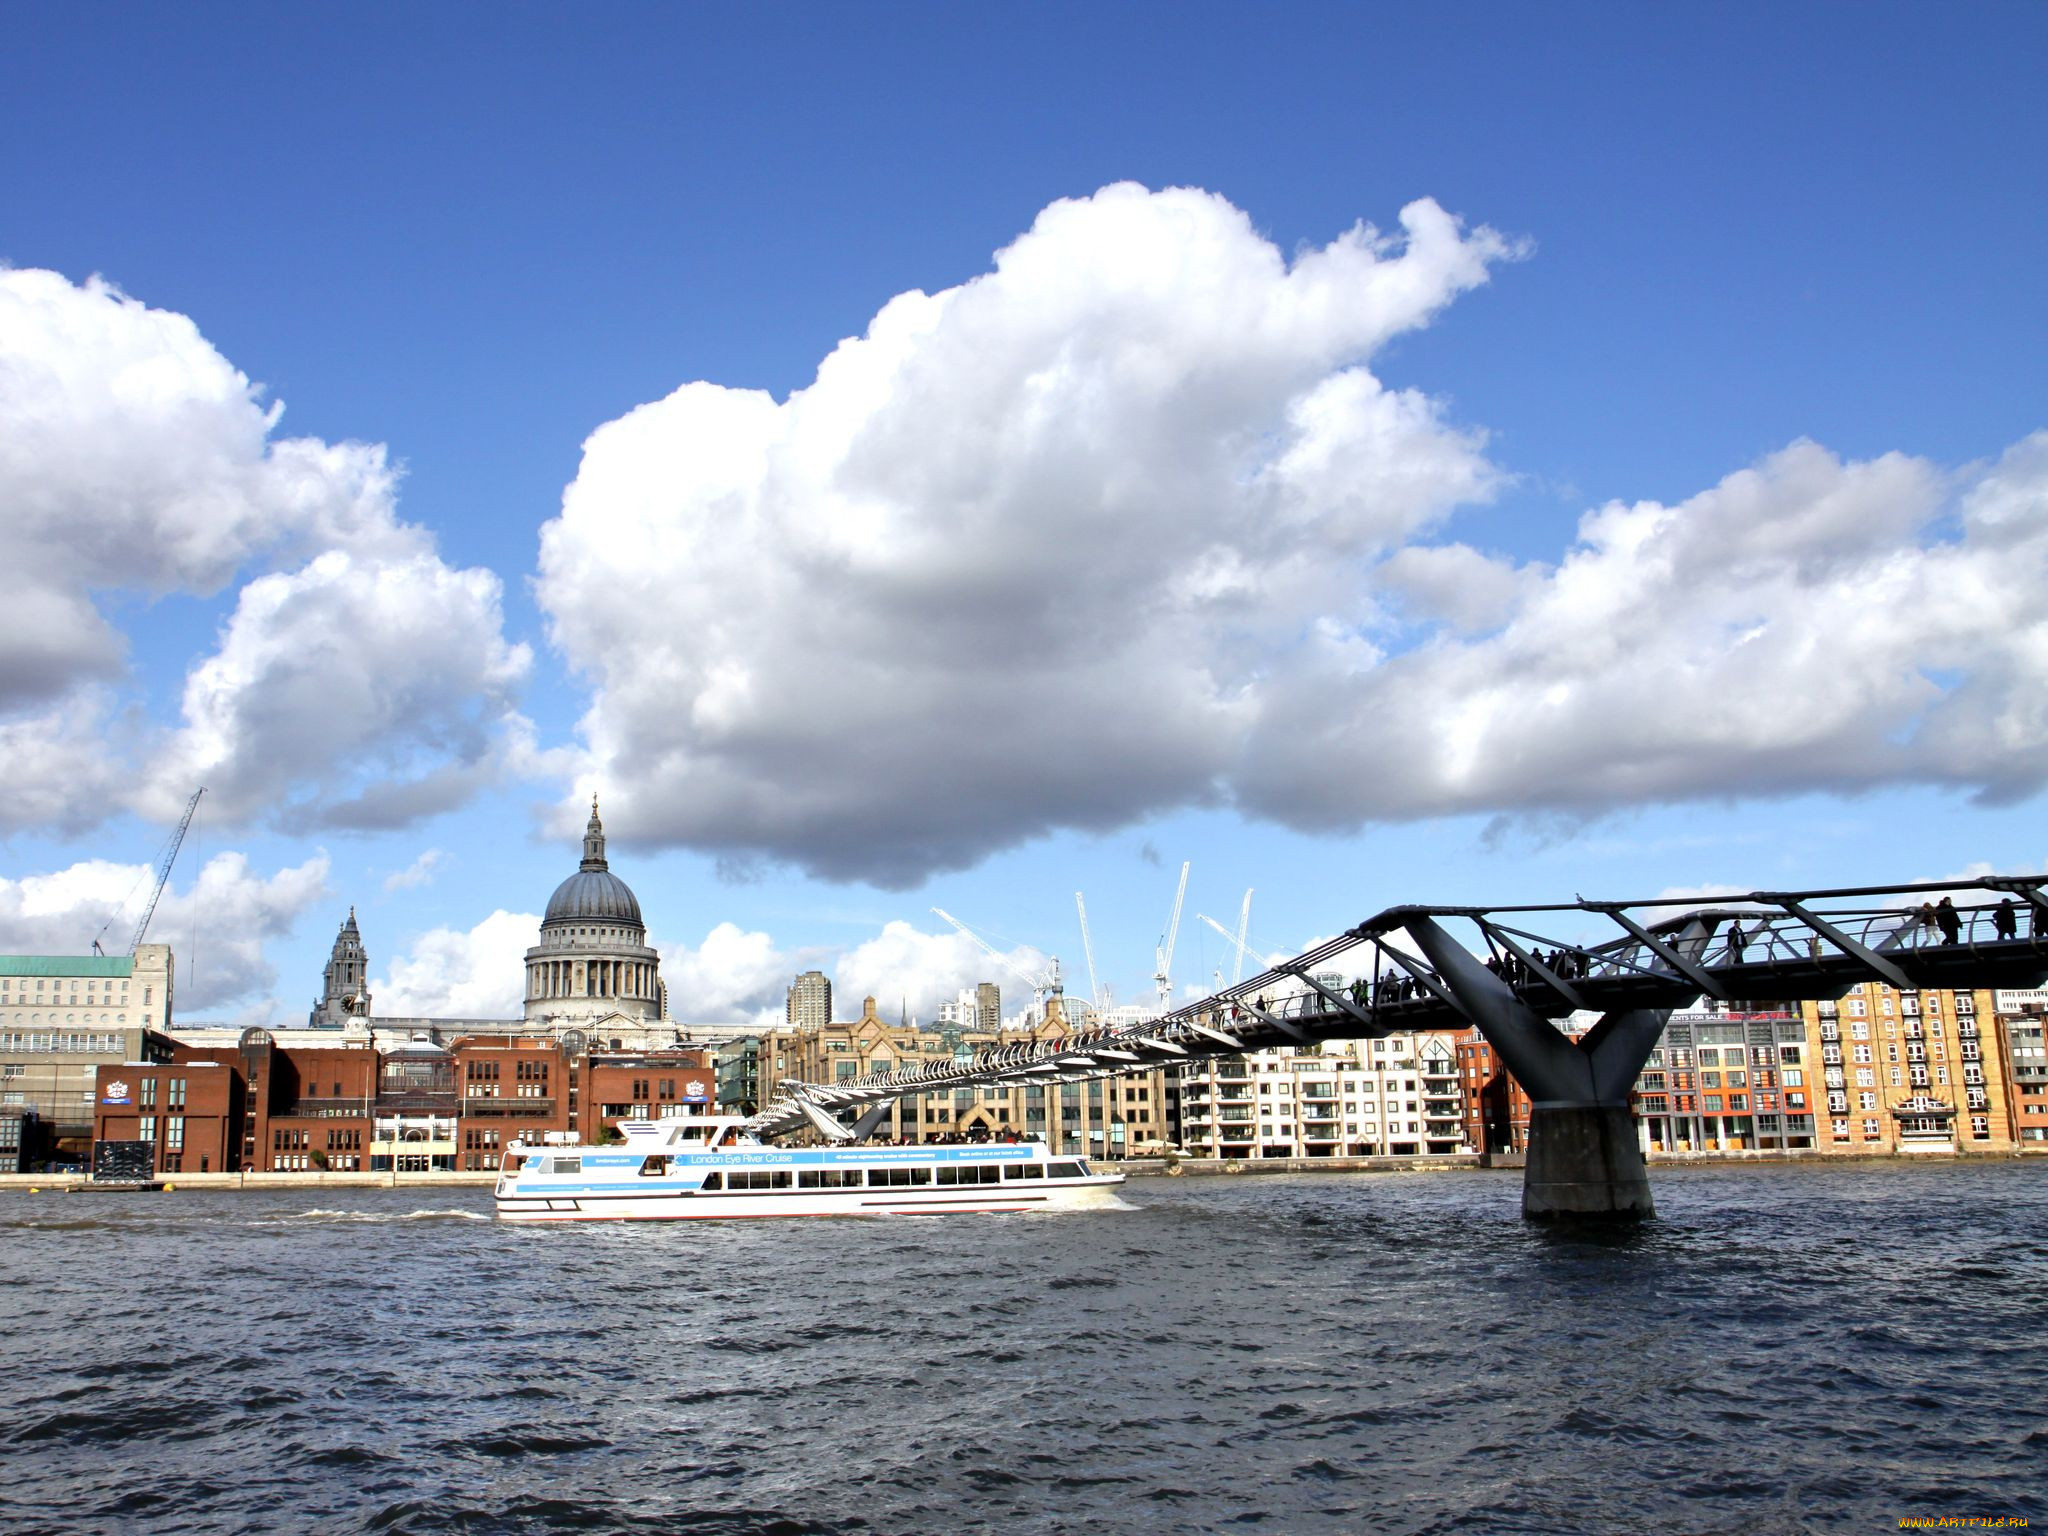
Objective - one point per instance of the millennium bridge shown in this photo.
(1509, 979)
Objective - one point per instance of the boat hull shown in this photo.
(1096, 1192)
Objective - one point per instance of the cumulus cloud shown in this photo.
(1127, 523)
(1807, 624)
(1017, 557)
(357, 679)
(452, 973)
(905, 967)
(216, 926)
(418, 873)
(733, 975)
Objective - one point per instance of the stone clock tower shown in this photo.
(346, 996)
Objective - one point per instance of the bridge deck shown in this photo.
(1768, 945)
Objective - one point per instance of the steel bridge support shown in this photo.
(1584, 1161)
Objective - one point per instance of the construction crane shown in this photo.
(165, 860)
(1096, 994)
(1237, 940)
(1163, 977)
(1244, 927)
(1042, 983)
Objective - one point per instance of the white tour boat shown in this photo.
(709, 1167)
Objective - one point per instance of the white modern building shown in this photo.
(1396, 1097)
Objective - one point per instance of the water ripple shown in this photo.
(1786, 1349)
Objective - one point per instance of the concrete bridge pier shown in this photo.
(1584, 1162)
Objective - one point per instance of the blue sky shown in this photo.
(476, 238)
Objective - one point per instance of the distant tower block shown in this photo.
(988, 1006)
(810, 1001)
(346, 993)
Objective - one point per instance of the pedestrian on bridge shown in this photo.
(2005, 919)
(1738, 941)
(1951, 921)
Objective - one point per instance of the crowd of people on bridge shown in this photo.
(1943, 917)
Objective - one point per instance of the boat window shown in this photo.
(653, 1167)
(513, 1163)
(896, 1176)
(828, 1178)
(713, 1181)
(978, 1174)
(568, 1165)
(1063, 1171)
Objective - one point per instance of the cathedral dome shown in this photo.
(593, 894)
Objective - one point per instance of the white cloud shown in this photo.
(358, 680)
(904, 967)
(1127, 524)
(450, 973)
(418, 873)
(1805, 625)
(733, 975)
(216, 926)
(351, 693)
(1015, 558)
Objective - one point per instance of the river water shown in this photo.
(1785, 1349)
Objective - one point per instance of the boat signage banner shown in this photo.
(868, 1157)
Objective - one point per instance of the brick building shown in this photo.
(1496, 1110)
(415, 1108)
(191, 1111)
(1911, 1071)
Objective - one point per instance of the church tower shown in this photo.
(347, 992)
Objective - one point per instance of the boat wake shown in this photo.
(319, 1214)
